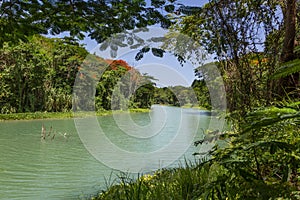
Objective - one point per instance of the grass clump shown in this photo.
(184, 182)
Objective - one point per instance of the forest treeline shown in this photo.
(39, 75)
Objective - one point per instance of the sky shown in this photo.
(167, 70)
(152, 65)
(91, 44)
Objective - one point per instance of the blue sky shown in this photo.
(91, 44)
(167, 70)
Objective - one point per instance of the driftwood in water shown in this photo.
(209, 137)
(52, 134)
(43, 133)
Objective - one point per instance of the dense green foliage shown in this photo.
(38, 76)
(181, 96)
(255, 48)
(121, 87)
(202, 93)
(261, 161)
(261, 157)
(187, 182)
(246, 61)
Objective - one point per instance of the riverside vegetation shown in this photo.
(41, 87)
(261, 159)
(255, 44)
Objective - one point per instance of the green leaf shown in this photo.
(114, 47)
(273, 144)
(287, 69)
(130, 41)
(104, 46)
(145, 49)
(113, 53)
(158, 52)
(158, 3)
(170, 8)
(139, 56)
(268, 117)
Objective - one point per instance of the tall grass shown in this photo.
(184, 182)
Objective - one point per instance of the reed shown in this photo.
(183, 182)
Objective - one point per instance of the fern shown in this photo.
(270, 116)
(287, 69)
(297, 49)
(273, 145)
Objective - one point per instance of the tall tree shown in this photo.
(233, 31)
(289, 84)
(290, 30)
(38, 75)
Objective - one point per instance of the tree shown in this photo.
(290, 30)
(38, 75)
(121, 86)
(236, 37)
(99, 19)
(144, 95)
(202, 93)
(232, 35)
(290, 83)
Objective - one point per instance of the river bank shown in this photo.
(63, 115)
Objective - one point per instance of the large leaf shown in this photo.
(158, 52)
(269, 116)
(287, 69)
(268, 121)
(271, 144)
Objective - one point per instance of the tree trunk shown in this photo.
(290, 31)
(288, 85)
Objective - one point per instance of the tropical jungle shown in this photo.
(254, 44)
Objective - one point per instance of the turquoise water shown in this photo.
(62, 167)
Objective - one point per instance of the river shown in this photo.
(64, 166)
